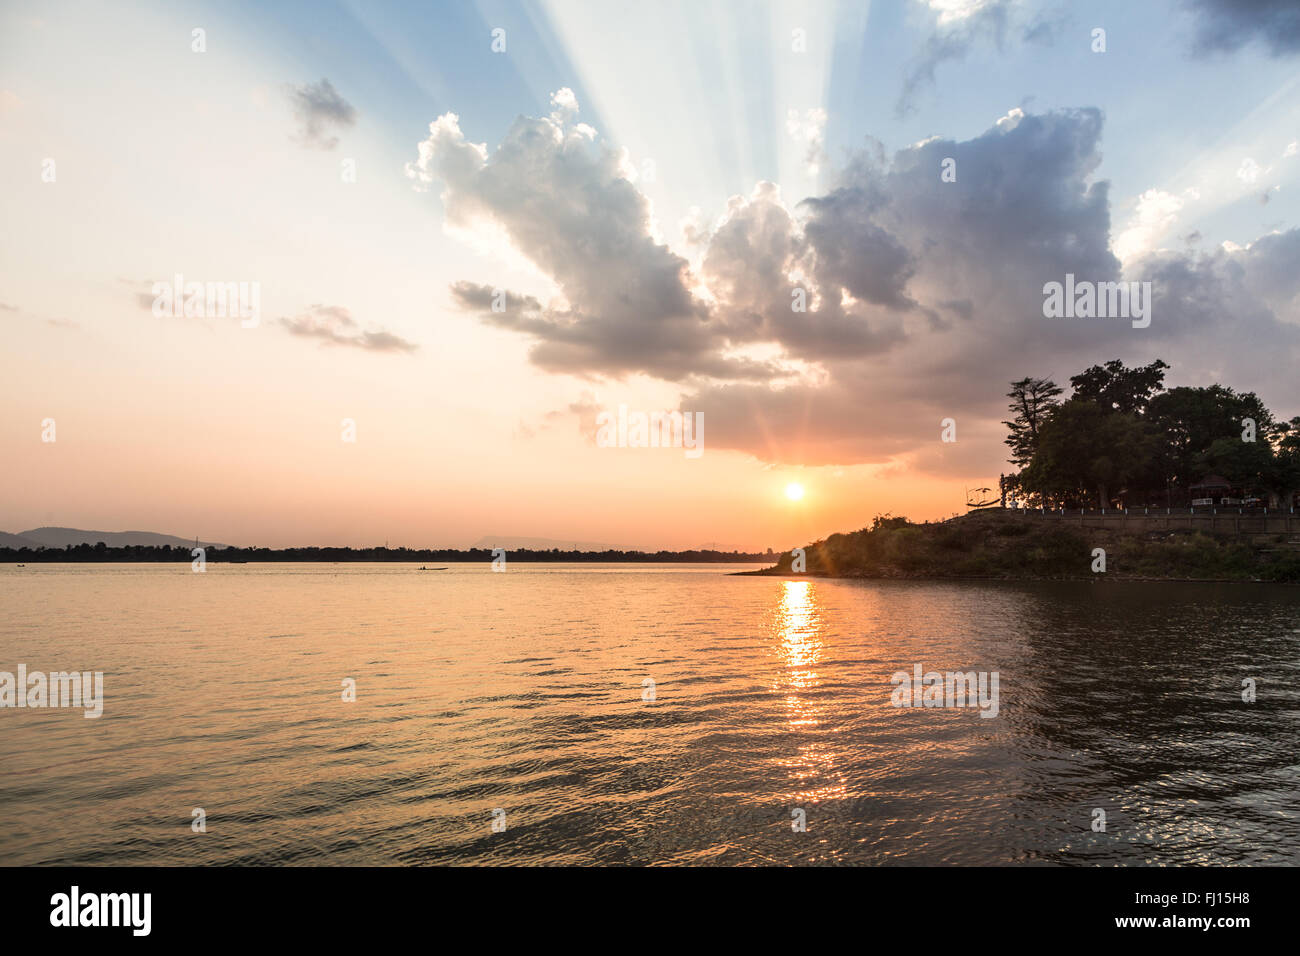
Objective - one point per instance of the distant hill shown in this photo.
(514, 542)
(62, 537)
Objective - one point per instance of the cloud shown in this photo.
(1223, 26)
(480, 298)
(334, 325)
(923, 298)
(958, 26)
(564, 101)
(568, 205)
(320, 111)
(1271, 269)
(1156, 212)
(695, 227)
(1024, 209)
(809, 132)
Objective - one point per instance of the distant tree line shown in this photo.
(165, 553)
(1121, 438)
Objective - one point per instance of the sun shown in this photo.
(794, 491)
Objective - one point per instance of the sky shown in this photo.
(476, 230)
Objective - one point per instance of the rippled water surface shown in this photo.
(523, 692)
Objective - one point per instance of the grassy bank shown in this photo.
(995, 544)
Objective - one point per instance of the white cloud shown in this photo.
(809, 131)
(565, 103)
(1009, 122)
(954, 11)
(1156, 211)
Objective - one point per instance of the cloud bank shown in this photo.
(842, 328)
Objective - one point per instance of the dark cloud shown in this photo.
(962, 307)
(1270, 269)
(1024, 211)
(568, 205)
(852, 252)
(759, 263)
(480, 298)
(1223, 26)
(320, 111)
(334, 325)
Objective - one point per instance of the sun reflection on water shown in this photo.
(798, 630)
(799, 625)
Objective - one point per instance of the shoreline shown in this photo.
(775, 572)
(995, 545)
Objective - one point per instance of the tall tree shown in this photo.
(1032, 401)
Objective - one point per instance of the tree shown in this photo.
(1117, 388)
(1286, 449)
(1120, 430)
(1086, 448)
(1032, 401)
(1190, 420)
(1248, 465)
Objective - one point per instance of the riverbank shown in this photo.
(146, 554)
(999, 545)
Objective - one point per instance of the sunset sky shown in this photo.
(648, 183)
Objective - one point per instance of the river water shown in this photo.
(643, 714)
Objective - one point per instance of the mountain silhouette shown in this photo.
(62, 537)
